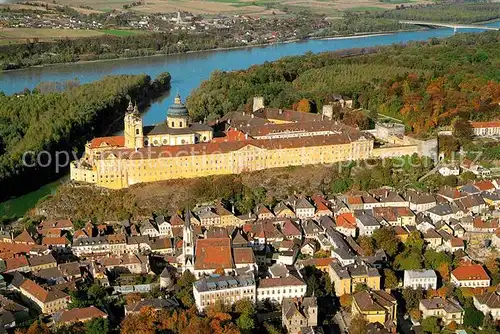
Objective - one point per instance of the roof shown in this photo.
(291, 280)
(16, 263)
(290, 228)
(24, 237)
(213, 253)
(41, 260)
(61, 224)
(438, 303)
(48, 241)
(226, 147)
(485, 185)
(114, 141)
(218, 282)
(177, 109)
(374, 300)
(491, 299)
(40, 293)
(470, 272)
(317, 262)
(490, 124)
(346, 220)
(243, 255)
(303, 203)
(414, 274)
(81, 314)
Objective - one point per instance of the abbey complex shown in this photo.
(239, 142)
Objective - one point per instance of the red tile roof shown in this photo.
(212, 254)
(478, 222)
(457, 242)
(16, 263)
(291, 229)
(346, 220)
(60, 224)
(243, 255)
(485, 185)
(24, 237)
(491, 124)
(115, 141)
(231, 135)
(51, 241)
(81, 314)
(470, 272)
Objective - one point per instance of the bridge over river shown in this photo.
(455, 26)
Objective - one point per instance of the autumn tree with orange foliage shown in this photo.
(303, 105)
(143, 322)
(345, 300)
(132, 298)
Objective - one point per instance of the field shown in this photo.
(256, 7)
(16, 35)
(19, 35)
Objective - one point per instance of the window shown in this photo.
(180, 124)
(173, 124)
(136, 131)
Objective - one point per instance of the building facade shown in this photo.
(262, 139)
(426, 279)
(227, 289)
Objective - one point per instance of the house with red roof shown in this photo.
(24, 238)
(485, 185)
(472, 275)
(80, 315)
(322, 206)
(211, 255)
(346, 224)
(486, 129)
(291, 230)
(49, 300)
(480, 224)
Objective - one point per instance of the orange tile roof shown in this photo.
(60, 224)
(484, 185)
(24, 237)
(491, 124)
(319, 262)
(478, 222)
(225, 147)
(457, 242)
(346, 220)
(400, 230)
(231, 135)
(50, 241)
(243, 255)
(470, 272)
(115, 141)
(81, 314)
(16, 263)
(212, 254)
(34, 289)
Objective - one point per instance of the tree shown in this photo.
(462, 130)
(345, 300)
(246, 322)
(304, 105)
(390, 279)
(431, 325)
(38, 327)
(142, 322)
(185, 292)
(415, 242)
(367, 245)
(385, 238)
(358, 325)
(97, 326)
(132, 298)
(473, 317)
(361, 287)
(412, 297)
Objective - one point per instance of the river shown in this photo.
(188, 71)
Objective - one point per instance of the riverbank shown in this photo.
(240, 47)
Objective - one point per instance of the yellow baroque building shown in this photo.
(249, 141)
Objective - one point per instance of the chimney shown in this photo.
(258, 103)
(280, 111)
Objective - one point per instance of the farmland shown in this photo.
(257, 7)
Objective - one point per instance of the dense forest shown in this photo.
(427, 85)
(450, 12)
(62, 117)
(67, 50)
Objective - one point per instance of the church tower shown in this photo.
(134, 137)
(188, 244)
(177, 114)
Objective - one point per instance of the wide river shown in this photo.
(188, 71)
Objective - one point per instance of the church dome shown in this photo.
(178, 109)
